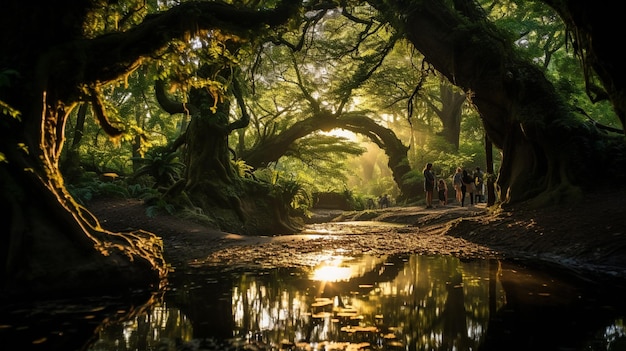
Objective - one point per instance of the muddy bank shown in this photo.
(583, 239)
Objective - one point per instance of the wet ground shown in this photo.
(585, 239)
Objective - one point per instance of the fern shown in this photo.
(160, 164)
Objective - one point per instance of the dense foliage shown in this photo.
(251, 88)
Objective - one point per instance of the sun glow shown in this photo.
(342, 133)
(332, 274)
(333, 269)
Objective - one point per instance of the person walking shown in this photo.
(429, 184)
(442, 191)
(457, 183)
(468, 187)
(479, 182)
(383, 201)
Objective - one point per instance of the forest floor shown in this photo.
(587, 239)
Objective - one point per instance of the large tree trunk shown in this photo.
(450, 114)
(547, 153)
(49, 243)
(211, 183)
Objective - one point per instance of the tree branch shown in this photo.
(114, 54)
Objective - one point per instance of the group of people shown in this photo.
(383, 202)
(464, 183)
(472, 184)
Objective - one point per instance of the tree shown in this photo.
(212, 182)
(451, 104)
(61, 64)
(546, 150)
(327, 77)
(590, 26)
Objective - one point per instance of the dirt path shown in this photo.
(408, 230)
(586, 240)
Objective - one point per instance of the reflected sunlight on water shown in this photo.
(384, 303)
(335, 268)
(332, 273)
(398, 302)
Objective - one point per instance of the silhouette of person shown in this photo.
(442, 190)
(457, 183)
(383, 201)
(468, 187)
(479, 181)
(429, 184)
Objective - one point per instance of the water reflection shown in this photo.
(376, 303)
(409, 302)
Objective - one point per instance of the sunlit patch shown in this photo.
(342, 133)
(332, 274)
(359, 329)
(316, 231)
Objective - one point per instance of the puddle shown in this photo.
(400, 302)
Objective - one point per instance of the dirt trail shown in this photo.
(581, 238)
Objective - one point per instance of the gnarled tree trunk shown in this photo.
(211, 183)
(49, 243)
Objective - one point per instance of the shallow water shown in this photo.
(404, 302)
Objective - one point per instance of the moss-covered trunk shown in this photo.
(210, 180)
(53, 56)
(219, 192)
(50, 244)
